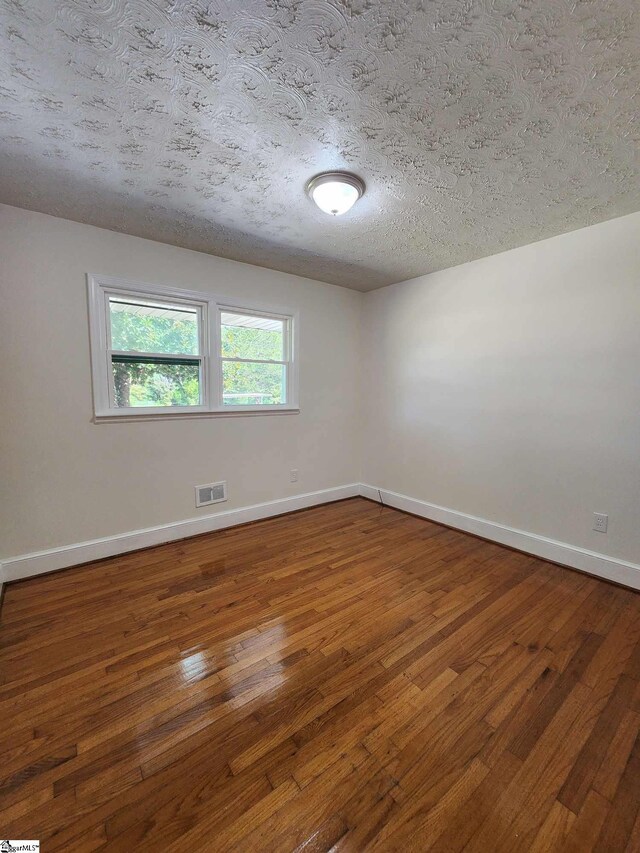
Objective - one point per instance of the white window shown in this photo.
(163, 351)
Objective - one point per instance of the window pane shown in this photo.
(152, 327)
(245, 384)
(152, 384)
(248, 337)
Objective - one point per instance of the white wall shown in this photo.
(64, 479)
(509, 388)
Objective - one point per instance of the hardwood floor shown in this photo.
(344, 678)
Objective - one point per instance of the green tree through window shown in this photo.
(140, 383)
(252, 383)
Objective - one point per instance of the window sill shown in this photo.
(112, 418)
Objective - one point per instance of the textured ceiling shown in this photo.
(478, 125)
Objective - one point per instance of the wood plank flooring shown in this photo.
(346, 678)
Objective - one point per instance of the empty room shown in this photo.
(320, 426)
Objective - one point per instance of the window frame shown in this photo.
(210, 307)
(287, 351)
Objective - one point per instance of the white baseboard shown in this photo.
(28, 565)
(591, 562)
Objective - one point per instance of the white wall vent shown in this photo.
(212, 493)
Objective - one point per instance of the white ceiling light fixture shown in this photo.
(335, 192)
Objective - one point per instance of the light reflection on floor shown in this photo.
(228, 665)
(194, 666)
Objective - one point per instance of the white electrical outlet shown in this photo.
(293, 475)
(600, 522)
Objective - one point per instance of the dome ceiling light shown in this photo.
(335, 192)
